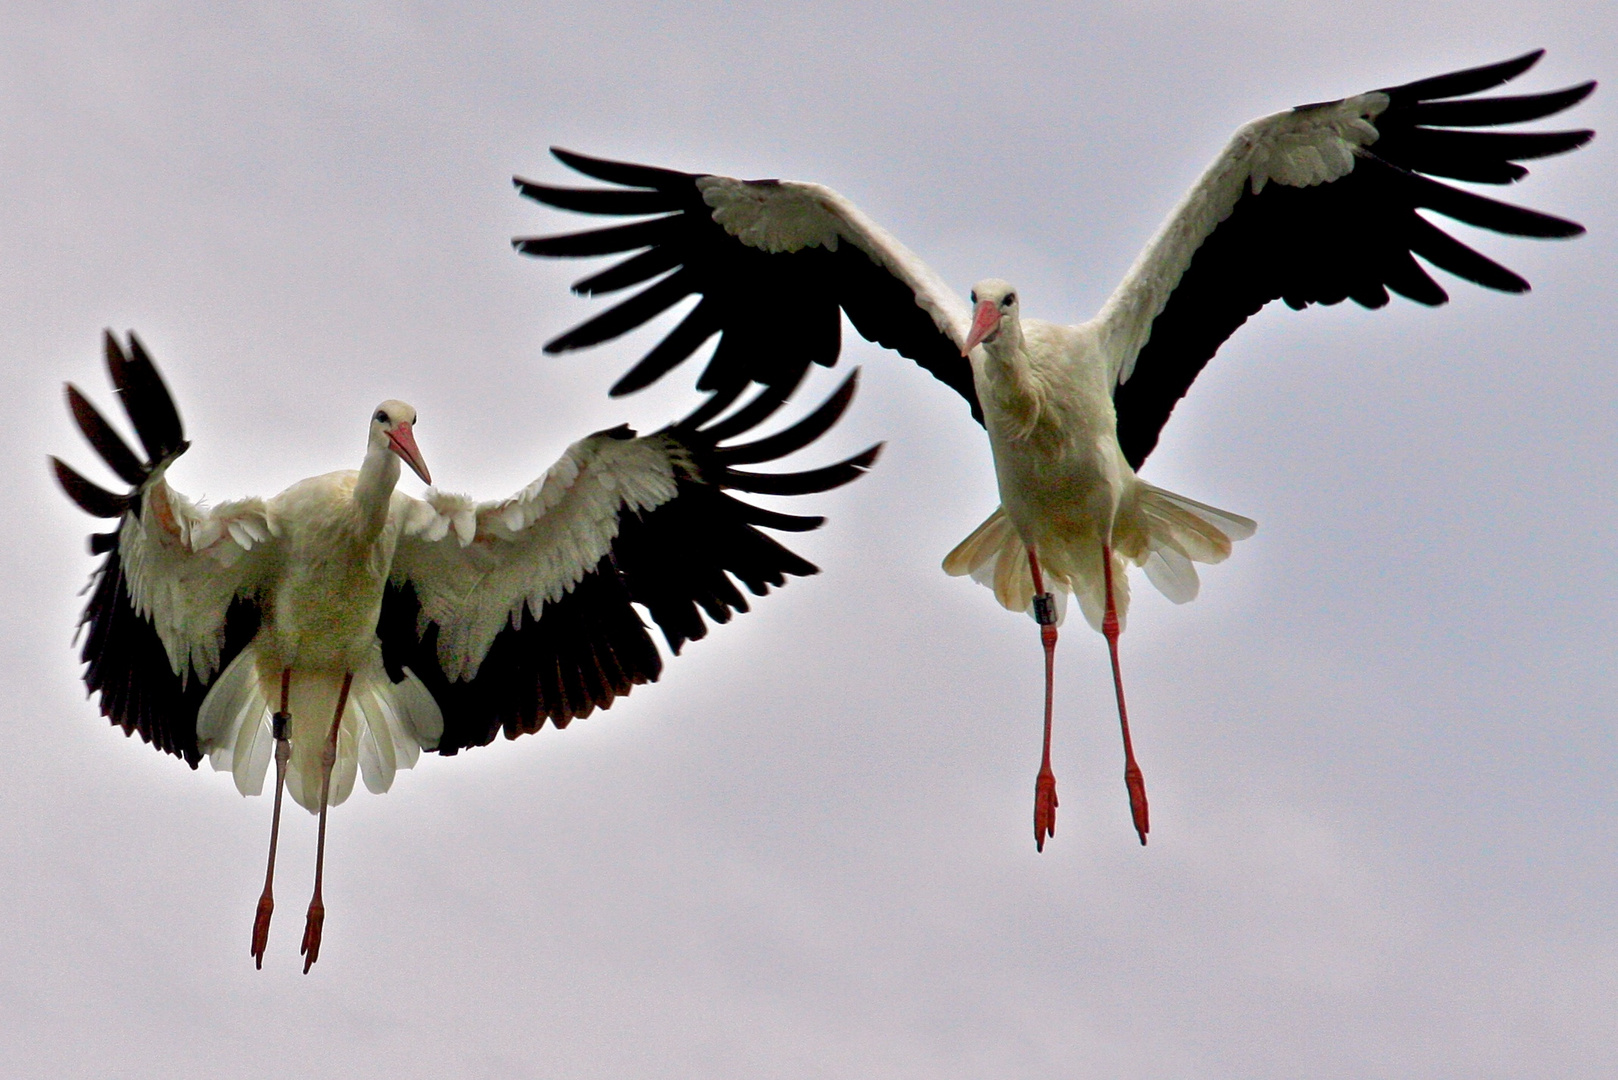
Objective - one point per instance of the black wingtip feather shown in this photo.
(755, 412)
(93, 499)
(106, 441)
(601, 200)
(803, 483)
(771, 519)
(145, 398)
(677, 346)
(1467, 81)
(632, 271)
(637, 310)
(1486, 213)
(1492, 112)
(622, 172)
(612, 240)
(800, 434)
(1448, 253)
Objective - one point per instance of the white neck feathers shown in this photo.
(373, 491)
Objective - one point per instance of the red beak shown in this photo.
(985, 321)
(403, 443)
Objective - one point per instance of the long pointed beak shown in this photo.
(403, 443)
(985, 321)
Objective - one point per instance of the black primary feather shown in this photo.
(105, 441)
(146, 400)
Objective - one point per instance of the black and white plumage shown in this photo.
(437, 621)
(1317, 204)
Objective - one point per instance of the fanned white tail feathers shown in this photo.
(1180, 531)
(1160, 531)
(385, 727)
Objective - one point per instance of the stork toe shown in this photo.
(1044, 808)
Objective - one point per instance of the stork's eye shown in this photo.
(974, 296)
(1011, 298)
(380, 417)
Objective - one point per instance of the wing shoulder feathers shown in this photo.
(777, 216)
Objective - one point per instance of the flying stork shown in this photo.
(1317, 204)
(343, 626)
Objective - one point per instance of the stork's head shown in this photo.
(391, 427)
(994, 307)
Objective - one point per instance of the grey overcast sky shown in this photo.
(1380, 746)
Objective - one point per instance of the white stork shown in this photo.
(343, 627)
(1317, 204)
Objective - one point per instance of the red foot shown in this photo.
(261, 928)
(1137, 800)
(311, 934)
(1044, 808)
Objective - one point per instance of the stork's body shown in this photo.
(339, 531)
(1053, 434)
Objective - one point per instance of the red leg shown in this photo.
(316, 918)
(266, 901)
(1045, 783)
(1133, 779)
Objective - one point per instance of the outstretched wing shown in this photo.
(175, 598)
(774, 263)
(516, 611)
(1320, 204)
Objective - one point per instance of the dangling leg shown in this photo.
(1132, 777)
(1045, 784)
(317, 909)
(266, 902)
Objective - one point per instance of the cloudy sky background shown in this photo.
(1380, 747)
